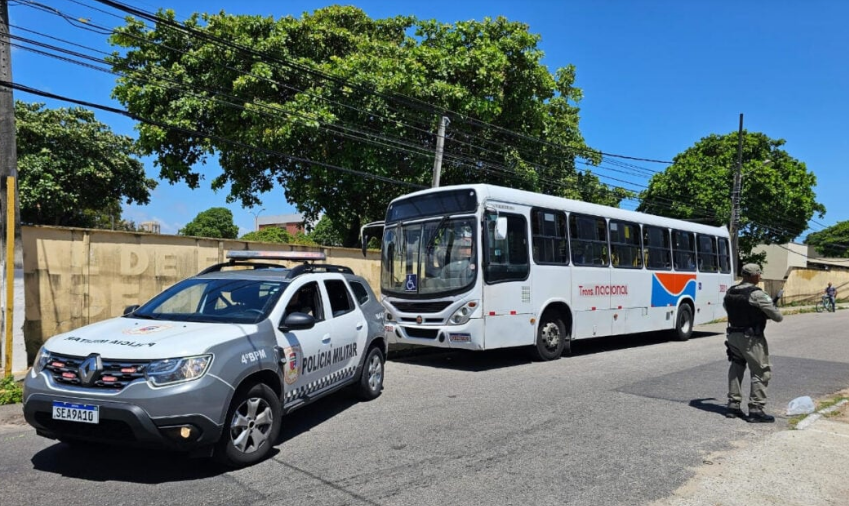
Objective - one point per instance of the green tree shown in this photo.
(73, 170)
(326, 234)
(216, 222)
(269, 234)
(777, 198)
(392, 78)
(832, 241)
(277, 234)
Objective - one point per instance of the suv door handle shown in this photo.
(360, 326)
(326, 339)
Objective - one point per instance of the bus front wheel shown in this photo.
(551, 339)
(684, 323)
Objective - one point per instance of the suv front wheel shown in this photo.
(251, 427)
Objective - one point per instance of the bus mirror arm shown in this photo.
(376, 227)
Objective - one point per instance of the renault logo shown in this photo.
(89, 368)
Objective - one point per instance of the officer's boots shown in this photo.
(733, 411)
(757, 415)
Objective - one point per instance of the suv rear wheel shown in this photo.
(371, 379)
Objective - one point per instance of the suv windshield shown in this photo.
(227, 300)
(433, 257)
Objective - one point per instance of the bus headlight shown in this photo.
(464, 314)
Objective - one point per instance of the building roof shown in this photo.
(278, 219)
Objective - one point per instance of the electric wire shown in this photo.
(613, 162)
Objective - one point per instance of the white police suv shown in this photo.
(212, 364)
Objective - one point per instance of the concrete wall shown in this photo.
(74, 277)
(808, 285)
(780, 258)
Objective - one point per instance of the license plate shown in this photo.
(84, 413)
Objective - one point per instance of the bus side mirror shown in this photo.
(365, 244)
(501, 228)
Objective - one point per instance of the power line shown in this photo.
(317, 73)
(371, 114)
(457, 159)
(417, 150)
(45, 94)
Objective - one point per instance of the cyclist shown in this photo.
(831, 294)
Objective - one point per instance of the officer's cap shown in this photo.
(751, 270)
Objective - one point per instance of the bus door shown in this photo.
(629, 297)
(507, 304)
(590, 275)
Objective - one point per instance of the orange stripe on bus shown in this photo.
(675, 283)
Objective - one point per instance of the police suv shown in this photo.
(211, 364)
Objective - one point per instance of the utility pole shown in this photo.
(735, 202)
(440, 142)
(10, 232)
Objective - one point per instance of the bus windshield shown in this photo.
(429, 258)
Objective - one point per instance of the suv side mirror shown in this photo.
(130, 309)
(297, 321)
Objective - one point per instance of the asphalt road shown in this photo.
(624, 420)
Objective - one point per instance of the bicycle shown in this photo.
(825, 305)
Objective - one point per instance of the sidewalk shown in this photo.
(12, 417)
(807, 466)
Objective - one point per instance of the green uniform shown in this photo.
(746, 342)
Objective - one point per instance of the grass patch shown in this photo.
(821, 404)
(803, 310)
(10, 391)
(827, 403)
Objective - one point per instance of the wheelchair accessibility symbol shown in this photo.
(412, 283)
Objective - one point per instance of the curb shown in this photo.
(810, 419)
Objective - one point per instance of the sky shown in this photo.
(657, 76)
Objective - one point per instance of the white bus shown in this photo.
(479, 267)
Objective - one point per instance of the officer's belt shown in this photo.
(748, 331)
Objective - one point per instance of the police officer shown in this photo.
(748, 308)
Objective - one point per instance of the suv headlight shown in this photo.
(40, 361)
(464, 314)
(177, 370)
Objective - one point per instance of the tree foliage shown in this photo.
(269, 234)
(325, 233)
(391, 81)
(73, 170)
(832, 241)
(278, 235)
(215, 222)
(777, 198)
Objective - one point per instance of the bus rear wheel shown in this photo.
(684, 323)
(551, 339)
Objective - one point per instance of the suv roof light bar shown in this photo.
(305, 256)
